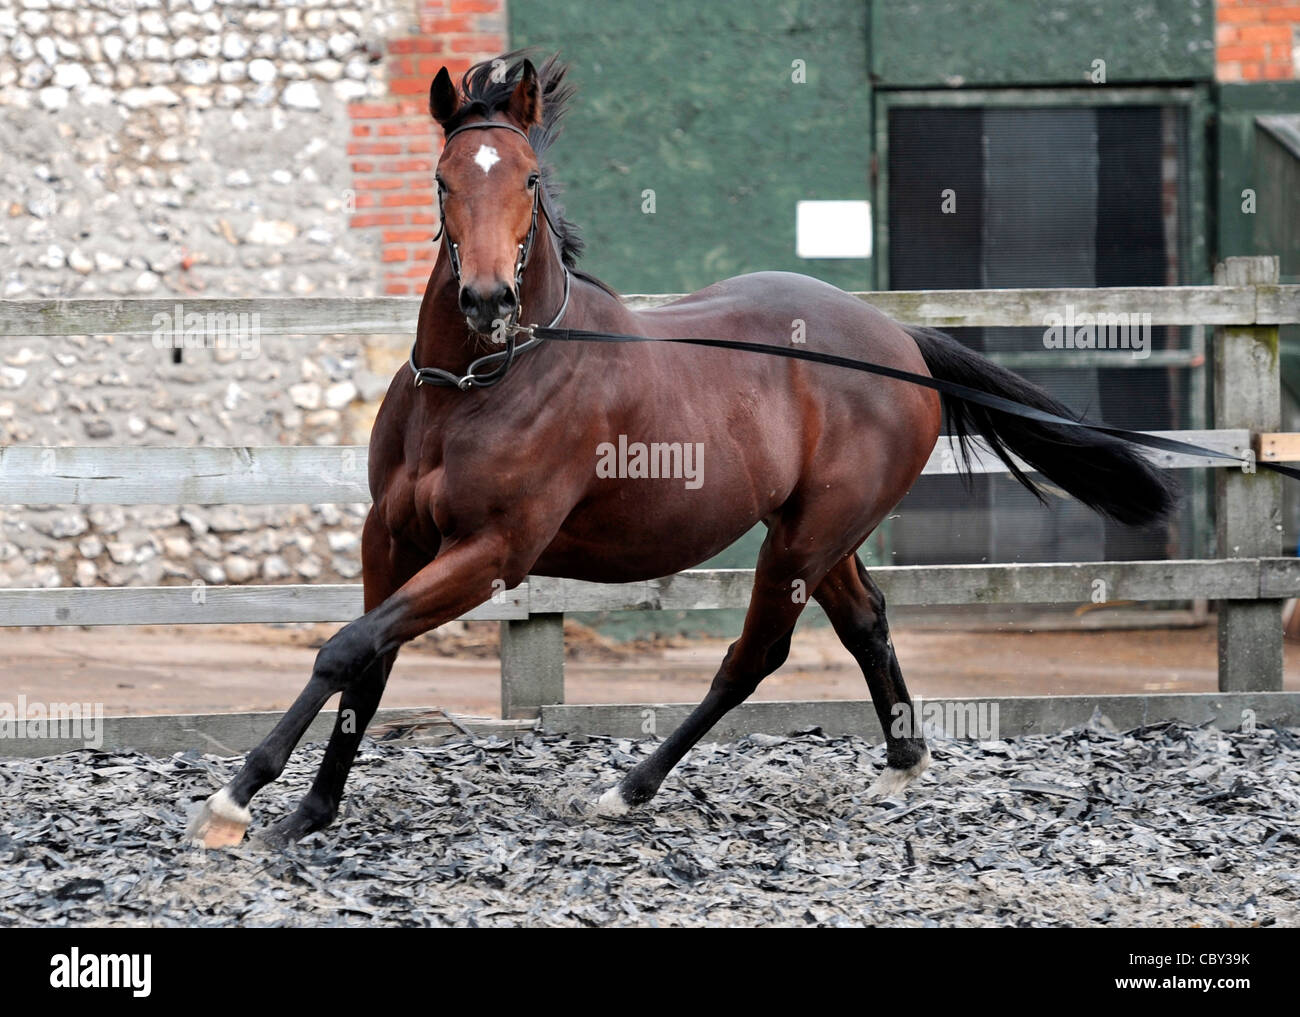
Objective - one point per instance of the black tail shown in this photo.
(1105, 473)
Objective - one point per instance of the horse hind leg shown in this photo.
(856, 609)
(764, 643)
(746, 664)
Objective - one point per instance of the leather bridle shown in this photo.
(475, 376)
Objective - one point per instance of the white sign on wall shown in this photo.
(833, 229)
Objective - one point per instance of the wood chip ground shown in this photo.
(1165, 826)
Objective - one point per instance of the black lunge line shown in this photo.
(951, 388)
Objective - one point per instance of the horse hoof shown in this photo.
(285, 833)
(273, 840)
(892, 781)
(612, 804)
(219, 823)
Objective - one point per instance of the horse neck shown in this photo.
(442, 337)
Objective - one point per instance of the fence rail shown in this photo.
(693, 590)
(1253, 304)
(1250, 577)
(312, 475)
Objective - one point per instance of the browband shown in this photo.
(484, 125)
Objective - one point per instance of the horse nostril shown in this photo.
(501, 298)
(483, 308)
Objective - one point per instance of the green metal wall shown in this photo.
(1248, 158)
(919, 43)
(1277, 226)
(696, 102)
(1239, 167)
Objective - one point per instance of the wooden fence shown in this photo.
(1250, 578)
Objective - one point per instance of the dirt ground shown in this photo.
(199, 669)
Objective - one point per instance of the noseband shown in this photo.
(503, 359)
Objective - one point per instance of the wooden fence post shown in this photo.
(1248, 506)
(532, 664)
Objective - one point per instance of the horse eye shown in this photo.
(532, 180)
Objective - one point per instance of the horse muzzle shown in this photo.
(483, 309)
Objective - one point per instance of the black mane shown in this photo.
(483, 94)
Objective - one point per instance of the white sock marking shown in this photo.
(892, 781)
(611, 804)
(224, 806)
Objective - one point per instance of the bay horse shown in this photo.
(478, 482)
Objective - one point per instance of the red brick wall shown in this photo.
(1255, 40)
(395, 143)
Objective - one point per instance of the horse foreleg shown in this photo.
(386, 565)
(320, 805)
(856, 609)
(458, 580)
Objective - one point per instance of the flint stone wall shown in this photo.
(186, 148)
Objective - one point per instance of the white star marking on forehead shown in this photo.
(487, 157)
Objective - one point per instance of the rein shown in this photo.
(951, 388)
(538, 334)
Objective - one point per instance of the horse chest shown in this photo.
(406, 508)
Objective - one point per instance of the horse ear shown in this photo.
(526, 101)
(443, 100)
